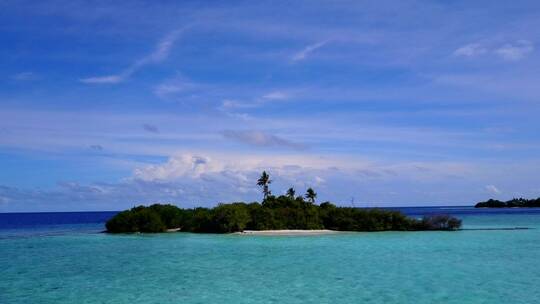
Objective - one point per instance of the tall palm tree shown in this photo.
(311, 195)
(263, 182)
(291, 193)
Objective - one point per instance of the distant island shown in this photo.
(513, 203)
(284, 212)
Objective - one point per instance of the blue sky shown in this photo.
(392, 103)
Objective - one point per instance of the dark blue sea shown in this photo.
(95, 220)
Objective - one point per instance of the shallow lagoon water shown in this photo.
(72, 263)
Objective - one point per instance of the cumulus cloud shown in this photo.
(160, 53)
(304, 53)
(515, 51)
(199, 165)
(492, 189)
(176, 167)
(470, 50)
(259, 138)
(234, 176)
(202, 179)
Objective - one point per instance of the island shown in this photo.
(513, 203)
(283, 212)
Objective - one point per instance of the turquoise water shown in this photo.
(68, 265)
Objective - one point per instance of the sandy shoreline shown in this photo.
(287, 232)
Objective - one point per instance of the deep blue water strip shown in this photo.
(40, 219)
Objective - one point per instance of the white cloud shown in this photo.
(230, 103)
(492, 189)
(259, 101)
(205, 179)
(228, 106)
(516, 51)
(308, 50)
(111, 79)
(195, 165)
(161, 52)
(175, 86)
(470, 50)
(319, 180)
(276, 95)
(509, 51)
(186, 165)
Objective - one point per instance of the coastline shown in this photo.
(286, 232)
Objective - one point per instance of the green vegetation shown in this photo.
(156, 218)
(263, 182)
(275, 213)
(513, 203)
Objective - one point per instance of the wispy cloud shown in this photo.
(509, 51)
(492, 189)
(106, 79)
(303, 54)
(470, 50)
(24, 76)
(255, 102)
(228, 105)
(160, 53)
(276, 95)
(175, 86)
(259, 138)
(515, 51)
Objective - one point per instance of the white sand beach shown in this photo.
(287, 232)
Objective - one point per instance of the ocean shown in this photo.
(64, 258)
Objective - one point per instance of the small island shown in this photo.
(284, 212)
(513, 203)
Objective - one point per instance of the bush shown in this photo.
(282, 212)
(231, 217)
(438, 222)
(138, 219)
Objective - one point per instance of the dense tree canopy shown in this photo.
(274, 213)
(513, 203)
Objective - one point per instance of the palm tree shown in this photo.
(311, 195)
(263, 182)
(291, 193)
